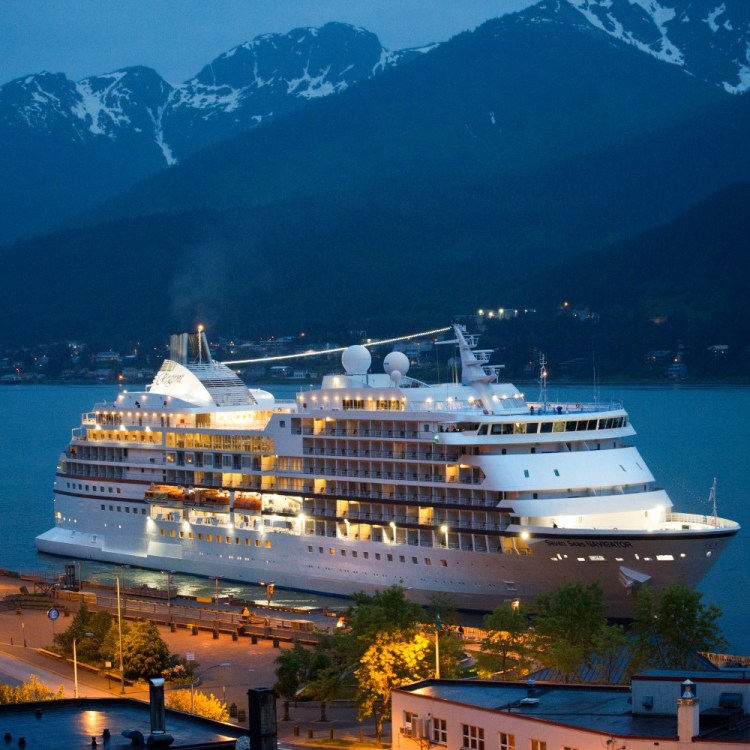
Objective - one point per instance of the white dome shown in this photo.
(396, 361)
(356, 360)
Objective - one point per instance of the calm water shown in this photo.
(688, 436)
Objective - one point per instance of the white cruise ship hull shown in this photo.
(373, 481)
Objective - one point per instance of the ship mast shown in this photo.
(543, 380)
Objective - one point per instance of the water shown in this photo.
(688, 436)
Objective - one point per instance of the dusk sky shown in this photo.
(177, 37)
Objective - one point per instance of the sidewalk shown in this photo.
(251, 666)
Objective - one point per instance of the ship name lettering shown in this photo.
(165, 379)
(607, 543)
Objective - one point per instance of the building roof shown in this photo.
(69, 724)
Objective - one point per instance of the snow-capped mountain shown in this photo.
(248, 85)
(73, 143)
(68, 145)
(710, 39)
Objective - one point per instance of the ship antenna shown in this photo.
(543, 380)
(712, 500)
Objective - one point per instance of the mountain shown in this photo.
(707, 39)
(410, 195)
(65, 145)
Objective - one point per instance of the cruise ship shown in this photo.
(374, 479)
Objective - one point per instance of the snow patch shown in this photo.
(713, 15)
(311, 87)
(659, 14)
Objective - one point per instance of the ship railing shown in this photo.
(573, 407)
(700, 520)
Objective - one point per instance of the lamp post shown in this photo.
(119, 633)
(75, 665)
(198, 674)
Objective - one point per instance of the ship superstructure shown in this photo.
(464, 488)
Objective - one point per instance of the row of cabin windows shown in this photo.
(532, 428)
(91, 488)
(218, 538)
(366, 555)
(118, 509)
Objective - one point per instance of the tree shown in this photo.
(507, 648)
(144, 652)
(30, 691)
(291, 671)
(672, 627)
(88, 629)
(388, 662)
(568, 623)
(203, 705)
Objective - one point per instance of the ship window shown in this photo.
(268, 544)
(87, 488)
(401, 558)
(200, 535)
(257, 542)
(665, 557)
(581, 559)
(110, 490)
(101, 507)
(210, 537)
(526, 473)
(236, 540)
(546, 427)
(111, 507)
(497, 429)
(532, 427)
(343, 553)
(389, 558)
(597, 558)
(331, 550)
(219, 538)
(320, 550)
(366, 555)
(309, 548)
(414, 560)
(127, 509)
(163, 532)
(143, 510)
(171, 533)
(504, 451)
(482, 430)
(557, 472)
(118, 490)
(427, 561)
(354, 553)
(119, 509)
(190, 535)
(444, 563)
(282, 423)
(377, 555)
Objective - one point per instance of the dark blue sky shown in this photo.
(177, 37)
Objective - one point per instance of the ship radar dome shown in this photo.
(396, 361)
(356, 360)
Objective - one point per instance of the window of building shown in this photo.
(537, 745)
(472, 738)
(440, 731)
(507, 741)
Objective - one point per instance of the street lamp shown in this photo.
(75, 665)
(198, 674)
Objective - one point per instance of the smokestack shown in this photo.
(158, 736)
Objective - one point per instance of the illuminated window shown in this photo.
(268, 544)
(507, 741)
(538, 745)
